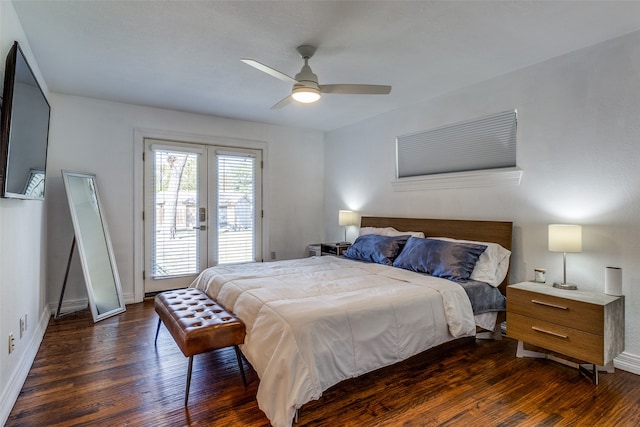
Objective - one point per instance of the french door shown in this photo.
(203, 207)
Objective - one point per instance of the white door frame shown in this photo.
(138, 190)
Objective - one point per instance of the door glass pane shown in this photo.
(176, 246)
(236, 196)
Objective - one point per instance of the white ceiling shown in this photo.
(185, 55)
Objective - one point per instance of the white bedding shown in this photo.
(314, 322)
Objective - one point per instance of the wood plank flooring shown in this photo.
(110, 374)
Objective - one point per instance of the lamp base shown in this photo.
(568, 286)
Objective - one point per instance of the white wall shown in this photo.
(22, 256)
(578, 147)
(95, 136)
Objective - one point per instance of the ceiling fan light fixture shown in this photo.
(305, 94)
(306, 89)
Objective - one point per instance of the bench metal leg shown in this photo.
(239, 357)
(186, 393)
(155, 342)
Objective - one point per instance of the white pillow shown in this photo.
(394, 233)
(375, 230)
(390, 232)
(492, 265)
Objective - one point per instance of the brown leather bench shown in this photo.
(198, 324)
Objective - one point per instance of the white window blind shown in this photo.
(175, 247)
(480, 144)
(236, 198)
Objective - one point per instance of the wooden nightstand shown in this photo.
(333, 248)
(583, 325)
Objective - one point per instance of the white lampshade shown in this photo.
(305, 94)
(346, 218)
(565, 238)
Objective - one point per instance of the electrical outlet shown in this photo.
(12, 343)
(21, 327)
(273, 254)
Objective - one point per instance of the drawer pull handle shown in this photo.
(544, 331)
(548, 304)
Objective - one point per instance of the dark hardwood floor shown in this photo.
(110, 374)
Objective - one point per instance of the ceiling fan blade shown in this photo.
(356, 89)
(283, 102)
(266, 69)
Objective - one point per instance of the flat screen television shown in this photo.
(24, 134)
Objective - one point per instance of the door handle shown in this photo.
(202, 227)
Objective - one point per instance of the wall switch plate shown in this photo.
(21, 327)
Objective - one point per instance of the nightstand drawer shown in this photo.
(562, 311)
(558, 338)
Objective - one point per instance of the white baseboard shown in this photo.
(69, 306)
(628, 362)
(129, 298)
(19, 375)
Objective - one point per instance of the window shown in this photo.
(485, 144)
(236, 203)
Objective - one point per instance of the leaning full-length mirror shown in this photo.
(94, 245)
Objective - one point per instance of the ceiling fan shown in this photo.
(305, 85)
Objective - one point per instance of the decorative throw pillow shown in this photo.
(449, 260)
(376, 248)
(492, 265)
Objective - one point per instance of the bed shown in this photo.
(314, 322)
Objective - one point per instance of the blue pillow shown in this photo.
(376, 248)
(440, 258)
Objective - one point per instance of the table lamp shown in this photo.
(565, 238)
(346, 218)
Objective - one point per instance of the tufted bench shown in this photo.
(198, 324)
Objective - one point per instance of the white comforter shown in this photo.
(314, 322)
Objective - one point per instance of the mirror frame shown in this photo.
(81, 242)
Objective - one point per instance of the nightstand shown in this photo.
(583, 325)
(333, 248)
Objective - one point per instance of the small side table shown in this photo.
(582, 325)
(333, 248)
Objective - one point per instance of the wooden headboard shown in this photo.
(484, 231)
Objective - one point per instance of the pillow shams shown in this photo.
(492, 265)
(376, 248)
(389, 231)
(375, 230)
(449, 260)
